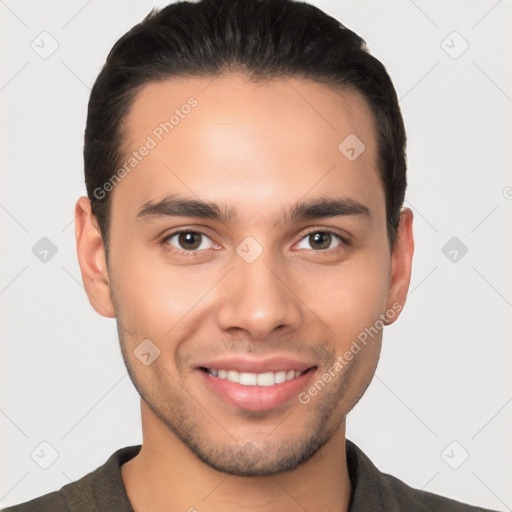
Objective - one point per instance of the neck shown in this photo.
(166, 473)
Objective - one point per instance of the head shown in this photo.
(245, 169)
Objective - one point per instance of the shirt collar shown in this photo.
(370, 490)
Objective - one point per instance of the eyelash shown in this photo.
(196, 252)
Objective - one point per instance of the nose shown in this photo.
(257, 298)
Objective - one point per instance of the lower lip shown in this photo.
(257, 398)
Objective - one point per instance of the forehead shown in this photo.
(247, 144)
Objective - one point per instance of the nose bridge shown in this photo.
(255, 296)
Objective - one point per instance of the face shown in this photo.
(251, 255)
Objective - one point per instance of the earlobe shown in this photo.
(401, 264)
(91, 258)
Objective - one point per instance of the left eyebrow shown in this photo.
(325, 208)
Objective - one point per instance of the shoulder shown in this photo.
(52, 501)
(100, 490)
(416, 500)
(374, 490)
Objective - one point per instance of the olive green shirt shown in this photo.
(102, 490)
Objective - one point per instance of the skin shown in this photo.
(257, 148)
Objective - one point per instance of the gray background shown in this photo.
(443, 385)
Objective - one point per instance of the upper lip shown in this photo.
(248, 365)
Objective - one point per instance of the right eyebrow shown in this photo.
(174, 206)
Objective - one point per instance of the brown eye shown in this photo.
(188, 241)
(321, 240)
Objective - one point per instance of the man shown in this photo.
(245, 169)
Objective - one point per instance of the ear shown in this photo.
(401, 264)
(91, 257)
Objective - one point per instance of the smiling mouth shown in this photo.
(265, 379)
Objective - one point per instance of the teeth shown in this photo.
(280, 377)
(255, 379)
(266, 379)
(233, 376)
(248, 379)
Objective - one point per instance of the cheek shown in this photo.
(153, 296)
(350, 298)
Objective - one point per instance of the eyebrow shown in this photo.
(175, 206)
